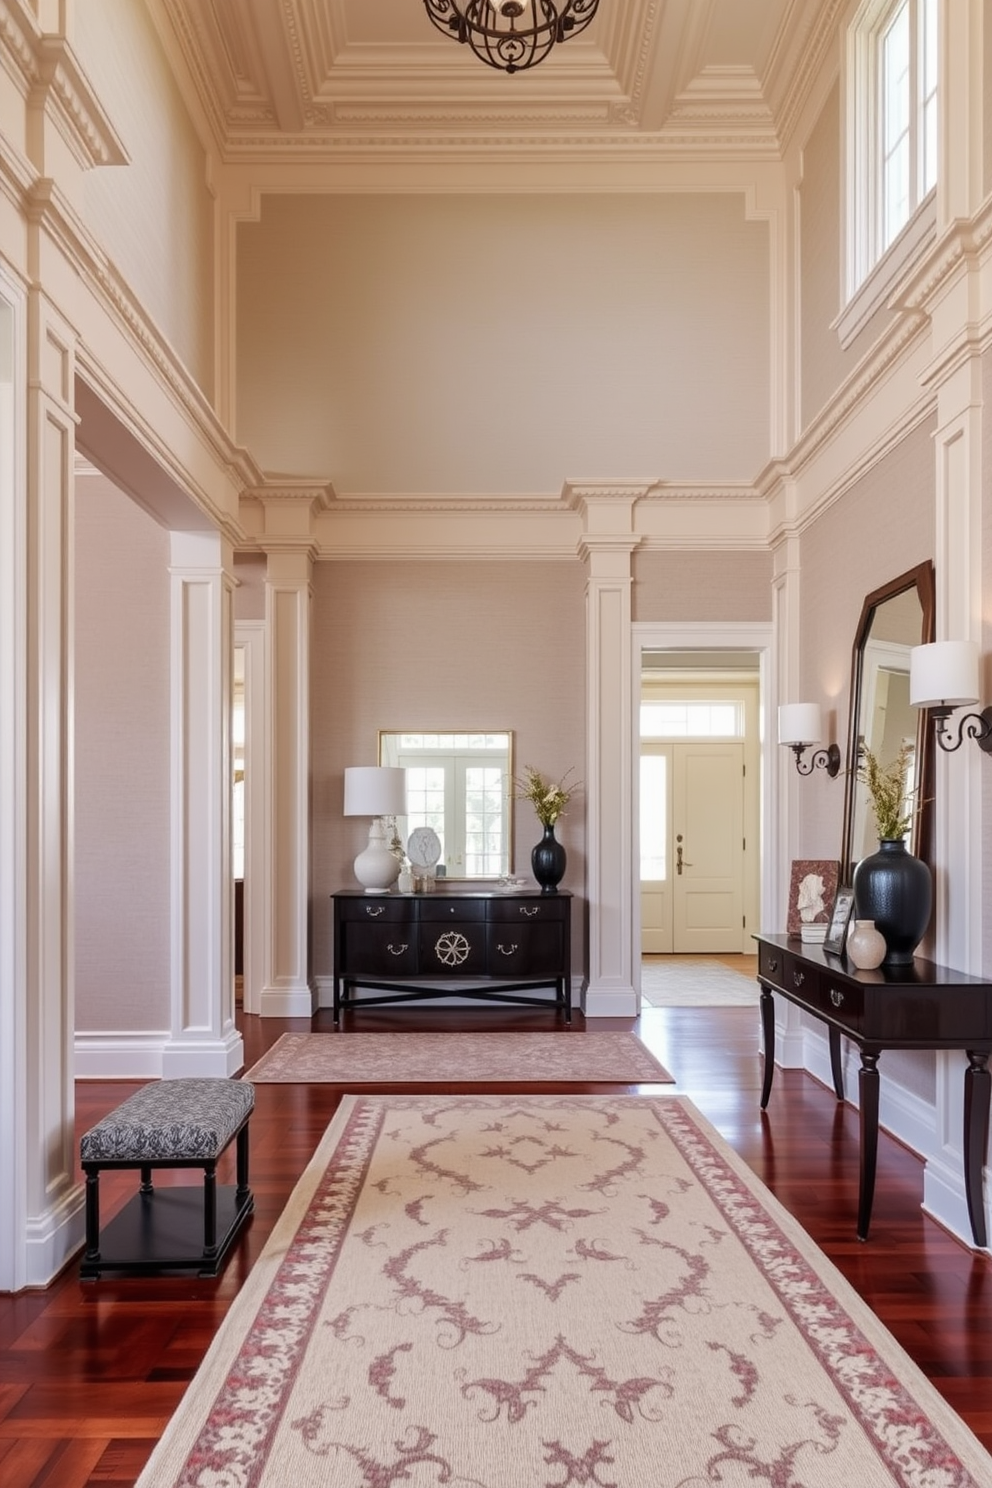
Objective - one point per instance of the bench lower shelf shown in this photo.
(163, 1231)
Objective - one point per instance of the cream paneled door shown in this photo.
(692, 840)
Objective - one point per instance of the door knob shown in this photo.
(679, 863)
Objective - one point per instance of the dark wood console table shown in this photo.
(496, 946)
(923, 1006)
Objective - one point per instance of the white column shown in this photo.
(784, 781)
(606, 547)
(287, 989)
(203, 1039)
(40, 1204)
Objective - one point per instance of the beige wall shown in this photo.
(439, 645)
(702, 586)
(154, 215)
(823, 362)
(249, 594)
(402, 344)
(882, 527)
(121, 784)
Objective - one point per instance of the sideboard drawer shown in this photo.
(528, 911)
(376, 909)
(525, 949)
(451, 909)
(379, 950)
(771, 964)
(836, 999)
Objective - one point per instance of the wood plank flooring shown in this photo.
(90, 1374)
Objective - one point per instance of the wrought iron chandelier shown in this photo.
(511, 34)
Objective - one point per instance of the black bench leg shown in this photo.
(92, 1214)
(209, 1208)
(147, 1186)
(241, 1192)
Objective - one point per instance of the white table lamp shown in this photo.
(376, 791)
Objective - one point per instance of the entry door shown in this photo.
(692, 889)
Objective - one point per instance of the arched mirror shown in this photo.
(894, 618)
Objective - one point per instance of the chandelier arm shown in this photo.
(511, 35)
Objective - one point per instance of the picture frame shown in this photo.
(840, 920)
(812, 889)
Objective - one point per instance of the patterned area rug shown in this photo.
(546, 1292)
(701, 981)
(458, 1058)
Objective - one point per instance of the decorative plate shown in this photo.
(424, 847)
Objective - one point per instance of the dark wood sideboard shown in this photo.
(923, 1006)
(486, 945)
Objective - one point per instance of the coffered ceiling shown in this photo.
(304, 80)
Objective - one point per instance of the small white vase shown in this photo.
(866, 945)
(405, 882)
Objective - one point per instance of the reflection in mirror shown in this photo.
(894, 618)
(461, 785)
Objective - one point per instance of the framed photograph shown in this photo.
(840, 918)
(812, 891)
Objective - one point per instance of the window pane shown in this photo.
(484, 792)
(895, 117)
(654, 827)
(692, 720)
(425, 799)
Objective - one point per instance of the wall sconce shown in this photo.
(800, 725)
(943, 676)
(377, 791)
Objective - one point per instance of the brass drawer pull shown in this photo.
(798, 977)
(397, 950)
(507, 950)
(530, 913)
(380, 909)
(836, 997)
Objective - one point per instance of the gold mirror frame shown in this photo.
(920, 580)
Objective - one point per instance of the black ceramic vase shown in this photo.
(547, 860)
(895, 890)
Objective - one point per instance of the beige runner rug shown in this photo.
(548, 1292)
(487, 1058)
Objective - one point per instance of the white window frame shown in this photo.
(871, 270)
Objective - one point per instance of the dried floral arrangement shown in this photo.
(891, 803)
(548, 797)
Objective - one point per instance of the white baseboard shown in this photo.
(119, 1056)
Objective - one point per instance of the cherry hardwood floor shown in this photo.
(90, 1373)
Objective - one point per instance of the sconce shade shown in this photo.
(800, 723)
(374, 790)
(943, 674)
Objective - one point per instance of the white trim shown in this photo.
(878, 286)
(120, 1056)
(251, 636)
(716, 635)
(13, 791)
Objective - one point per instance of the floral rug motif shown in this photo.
(491, 1057)
(550, 1292)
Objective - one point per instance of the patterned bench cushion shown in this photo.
(190, 1120)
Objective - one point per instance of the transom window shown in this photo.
(693, 720)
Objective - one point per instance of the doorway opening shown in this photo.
(698, 801)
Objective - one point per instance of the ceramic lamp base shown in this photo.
(376, 868)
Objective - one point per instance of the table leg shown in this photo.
(977, 1090)
(836, 1068)
(768, 1039)
(868, 1085)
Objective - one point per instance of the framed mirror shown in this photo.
(894, 618)
(461, 785)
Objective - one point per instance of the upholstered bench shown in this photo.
(169, 1124)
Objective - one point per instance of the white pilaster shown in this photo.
(287, 990)
(606, 547)
(784, 782)
(41, 1204)
(203, 1039)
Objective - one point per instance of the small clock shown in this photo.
(424, 847)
